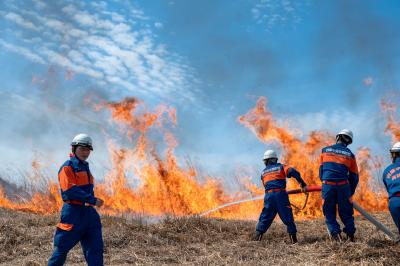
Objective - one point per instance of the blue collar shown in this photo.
(76, 161)
(341, 144)
(271, 165)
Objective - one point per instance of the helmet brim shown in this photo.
(83, 145)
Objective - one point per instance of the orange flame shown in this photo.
(304, 156)
(393, 126)
(165, 187)
(147, 178)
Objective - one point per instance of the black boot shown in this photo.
(350, 237)
(257, 236)
(337, 237)
(293, 238)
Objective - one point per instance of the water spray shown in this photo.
(313, 188)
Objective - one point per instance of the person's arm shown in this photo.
(66, 177)
(320, 167)
(353, 176)
(384, 179)
(291, 172)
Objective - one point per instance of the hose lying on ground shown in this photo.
(312, 188)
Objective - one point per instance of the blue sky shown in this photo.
(321, 64)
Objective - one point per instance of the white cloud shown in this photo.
(69, 9)
(274, 13)
(77, 33)
(20, 21)
(39, 4)
(158, 25)
(85, 19)
(64, 61)
(99, 4)
(138, 14)
(116, 17)
(22, 51)
(56, 24)
(78, 58)
(106, 45)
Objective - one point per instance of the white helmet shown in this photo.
(270, 154)
(396, 147)
(345, 132)
(82, 140)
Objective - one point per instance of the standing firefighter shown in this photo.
(391, 179)
(276, 199)
(80, 222)
(339, 174)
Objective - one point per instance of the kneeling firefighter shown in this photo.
(391, 179)
(80, 221)
(276, 199)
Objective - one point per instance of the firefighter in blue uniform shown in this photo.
(391, 179)
(339, 175)
(80, 221)
(276, 199)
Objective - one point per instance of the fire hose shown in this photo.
(312, 188)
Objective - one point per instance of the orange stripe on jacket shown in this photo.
(353, 166)
(341, 159)
(67, 178)
(276, 175)
(82, 178)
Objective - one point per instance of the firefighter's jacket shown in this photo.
(338, 163)
(274, 176)
(391, 178)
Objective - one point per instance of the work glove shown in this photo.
(99, 202)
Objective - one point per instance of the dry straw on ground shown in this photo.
(26, 239)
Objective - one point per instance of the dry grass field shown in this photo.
(26, 239)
